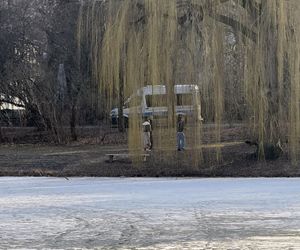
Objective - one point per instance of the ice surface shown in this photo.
(126, 213)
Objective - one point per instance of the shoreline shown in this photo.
(91, 161)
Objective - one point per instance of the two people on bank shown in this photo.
(148, 137)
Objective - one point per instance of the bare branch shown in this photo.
(252, 7)
(9, 101)
(236, 25)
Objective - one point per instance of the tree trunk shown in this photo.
(121, 123)
(73, 123)
(1, 135)
(273, 81)
(272, 41)
(34, 117)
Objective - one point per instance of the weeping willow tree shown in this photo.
(151, 42)
(271, 86)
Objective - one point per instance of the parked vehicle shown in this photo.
(153, 101)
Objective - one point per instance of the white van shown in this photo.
(153, 101)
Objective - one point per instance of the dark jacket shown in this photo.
(180, 126)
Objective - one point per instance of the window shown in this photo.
(156, 101)
(134, 101)
(184, 99)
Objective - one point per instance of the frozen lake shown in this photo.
(116, 213)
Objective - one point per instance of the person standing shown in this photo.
(180, 133)
(146, 134)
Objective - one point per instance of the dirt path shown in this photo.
(52, 160)
(91, 160)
